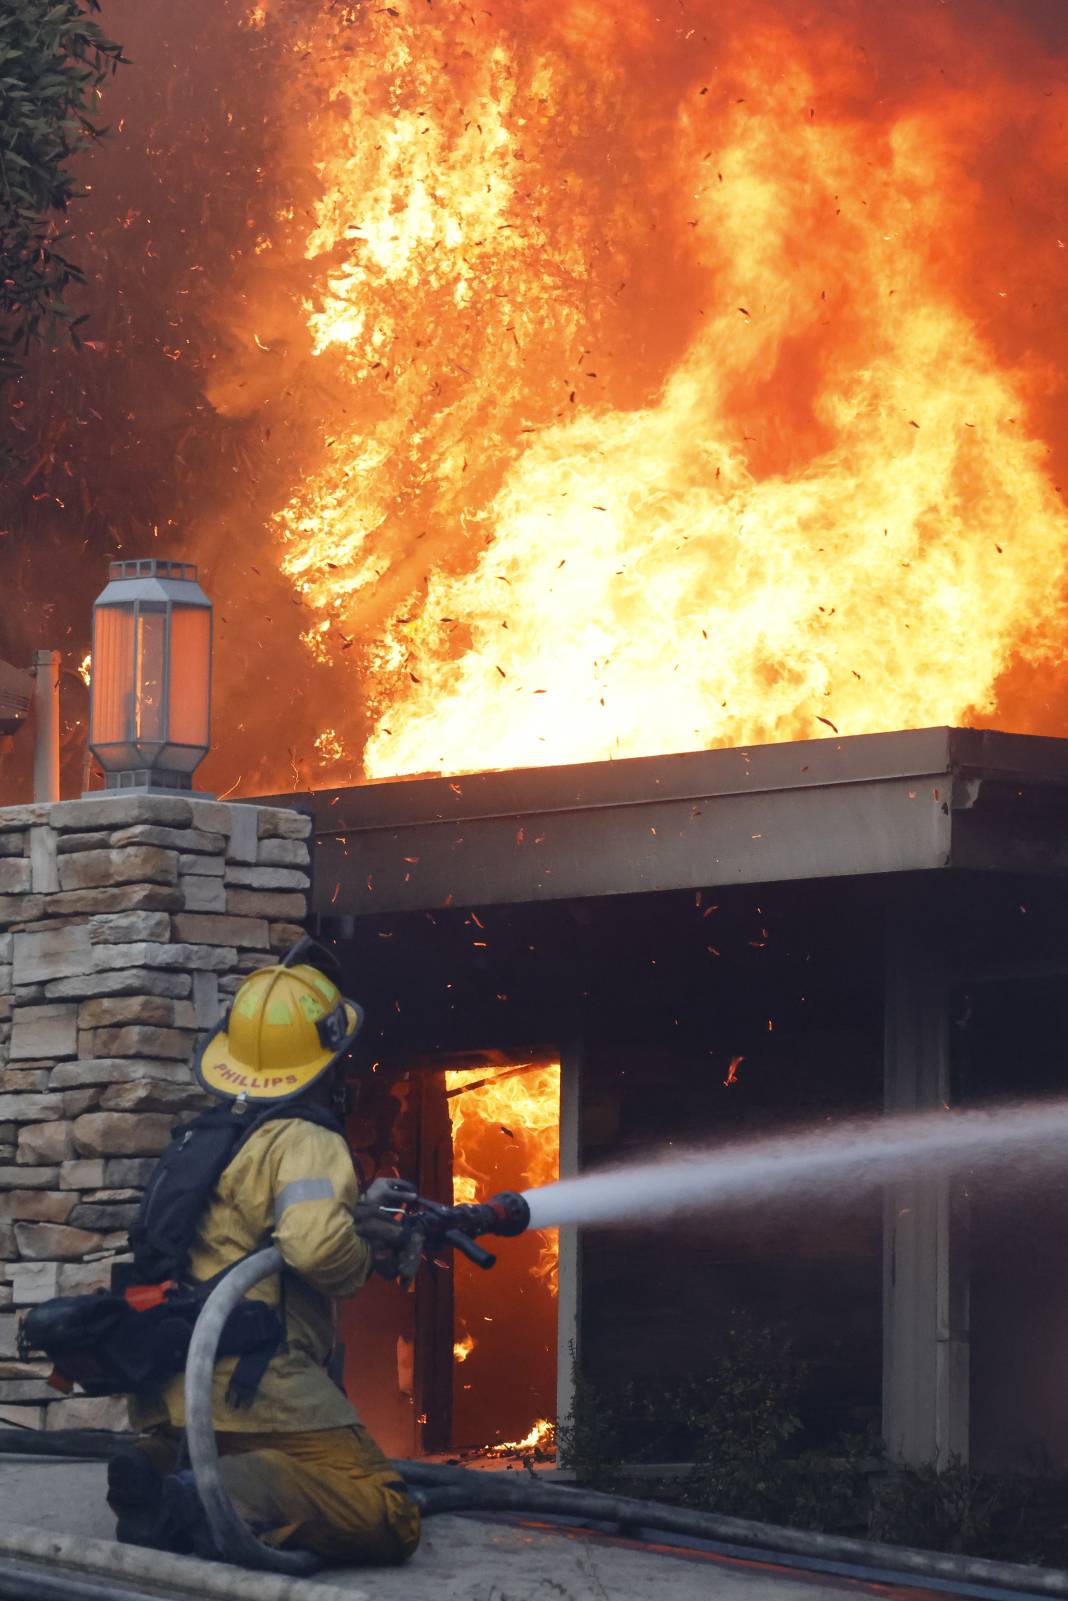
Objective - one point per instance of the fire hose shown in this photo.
(438, 1488)
(234, 1539)
(458, 1226)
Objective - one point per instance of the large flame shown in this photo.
(552, 382)
(676, 346)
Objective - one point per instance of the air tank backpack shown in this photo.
(137, 1335)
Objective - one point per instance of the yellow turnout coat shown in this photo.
(297, 1462)
(293, 1183)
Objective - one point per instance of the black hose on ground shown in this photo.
(439, 1488)
(86, 1445)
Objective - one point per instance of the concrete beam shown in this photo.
(872, 804)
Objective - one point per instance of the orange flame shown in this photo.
(464, 1189)
(688, 359)
(523, 1103)
(541, 1438)
(462, 1348)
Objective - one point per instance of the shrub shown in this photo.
(739, 1427)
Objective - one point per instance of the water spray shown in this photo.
(846, 1159)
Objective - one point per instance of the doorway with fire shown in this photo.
(466, 1363)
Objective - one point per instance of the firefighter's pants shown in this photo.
(332, 1492)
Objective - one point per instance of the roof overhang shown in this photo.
(915, 801)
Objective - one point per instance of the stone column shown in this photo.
(925, 1234)
(126, 922)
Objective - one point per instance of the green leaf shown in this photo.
(53, 62)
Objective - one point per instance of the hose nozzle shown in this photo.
(510, 1211)
(507, 1213)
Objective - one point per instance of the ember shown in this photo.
(732, 1070)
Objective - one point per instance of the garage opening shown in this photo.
(466, 1362)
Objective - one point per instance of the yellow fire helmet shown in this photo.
(287, 1026)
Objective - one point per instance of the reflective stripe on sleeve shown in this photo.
(302, 1190)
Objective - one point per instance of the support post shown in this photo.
(925, 1243)
(568, 1283)
(46, 725)
(433, 1325)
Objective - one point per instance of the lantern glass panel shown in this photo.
(113, 672)
(150, 707)
(151, 687)
(190, 682)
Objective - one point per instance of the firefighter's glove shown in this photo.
(407, 1260)
(396, 1243)
(383, 1221)
(390, 1192)
(380, 1226)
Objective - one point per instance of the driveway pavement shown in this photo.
(469, 1558)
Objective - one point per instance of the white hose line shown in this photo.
(159, 1571)
(235, 1540)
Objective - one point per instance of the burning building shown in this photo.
(541, 391)
(622, 957)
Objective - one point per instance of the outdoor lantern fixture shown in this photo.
(150, 697)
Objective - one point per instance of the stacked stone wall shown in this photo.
(126, 923)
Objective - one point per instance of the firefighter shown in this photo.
(296, 1460)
